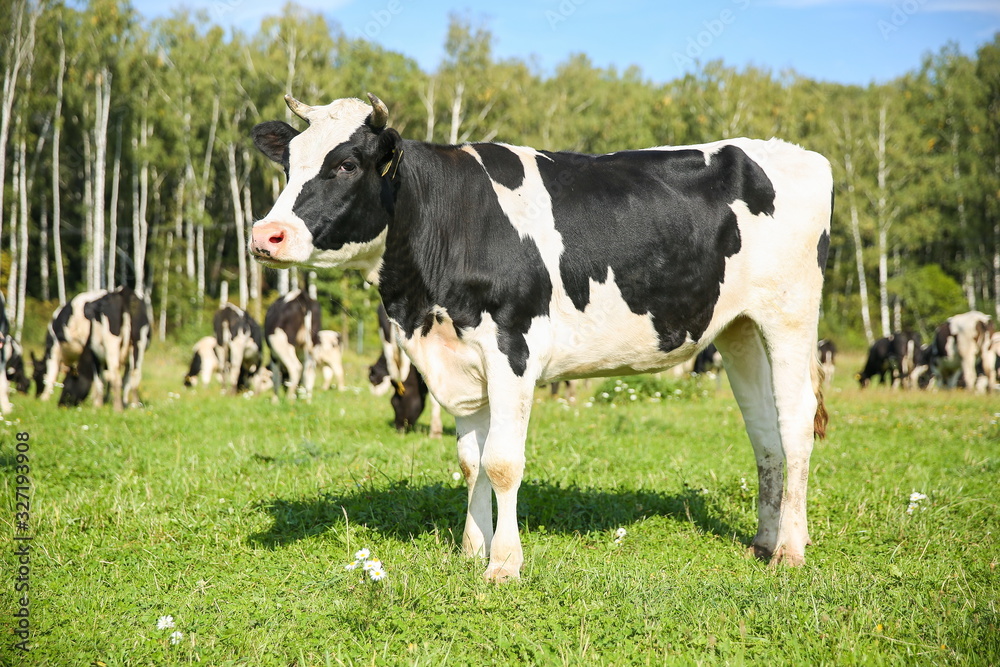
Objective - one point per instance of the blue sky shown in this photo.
(847, 41)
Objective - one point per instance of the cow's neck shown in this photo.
(417, 272)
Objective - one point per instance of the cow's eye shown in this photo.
(348, 166)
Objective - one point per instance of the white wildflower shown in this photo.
(176, 637)
(362, 554)
(164, 622)
(377, 573)
(621, 532)
(352, 565)
(374, 564)
(457, 476)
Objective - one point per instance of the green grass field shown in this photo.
(236, 517)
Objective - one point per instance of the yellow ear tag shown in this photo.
(400, 388)
(385, 169)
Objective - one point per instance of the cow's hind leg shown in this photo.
(472, 432)
(749, 371)
(801, 417)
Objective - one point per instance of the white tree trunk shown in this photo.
(56, 198)
(428, 101)
(102, 114)
(43, 241)
(883, 223)
(13, 237)
(113, 221)
(254, 267)
(88, 205)
(456, 112)
(282, 285)
(164, 295)
(140, 226)
(234, 193)
(858, 251)
(22, 257)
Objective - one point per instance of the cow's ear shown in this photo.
(272, 138)
(389, 152)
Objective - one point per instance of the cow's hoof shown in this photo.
(759, 552)
(787, 558)
(501, 573)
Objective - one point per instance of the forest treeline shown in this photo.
(125, 155)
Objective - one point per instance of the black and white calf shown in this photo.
(204, 363)
(502, 267)
(329, 359)
(239, 344)
(291, 326)
(827, 359)
(16, 375)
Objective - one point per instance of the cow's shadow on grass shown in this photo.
(404, 511)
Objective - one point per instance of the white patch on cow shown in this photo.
(76, 332)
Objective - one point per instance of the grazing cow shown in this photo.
(291, 327)
(65, 340)
(204, 363)
(827, 358)
(958, 344)
(5, 405)
(398, 367)
(329, 359)
(408, 397)
(878, 364)
(378, 376)
(239, 342)
(501, 267)
(115, 319)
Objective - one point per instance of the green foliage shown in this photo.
(929, 296)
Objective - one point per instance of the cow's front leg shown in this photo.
(472, 432)
(503, 461)
(436, 426)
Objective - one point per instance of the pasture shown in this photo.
(237, 518)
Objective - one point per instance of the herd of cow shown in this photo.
(963, 353)
(97, 343)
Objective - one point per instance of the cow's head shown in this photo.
(335, 209)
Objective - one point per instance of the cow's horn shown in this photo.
(298, 108)
(380, 113)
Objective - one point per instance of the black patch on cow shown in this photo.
(272, 138)
(194, 370)
(437, 254)
(661, 221)
(823, 249)
(502, 164)
(111, 307)
(59, 324)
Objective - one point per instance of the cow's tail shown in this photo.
(821, 418)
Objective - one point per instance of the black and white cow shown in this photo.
(66, 339)
(906, 358)
(959, 343)
(239, 342)
(827, 359)
(5, 404)
(204, 363)
(408, 397)
(111, 360)
(291, 326)
(878, 364)
(502, 267)
(329, 359)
